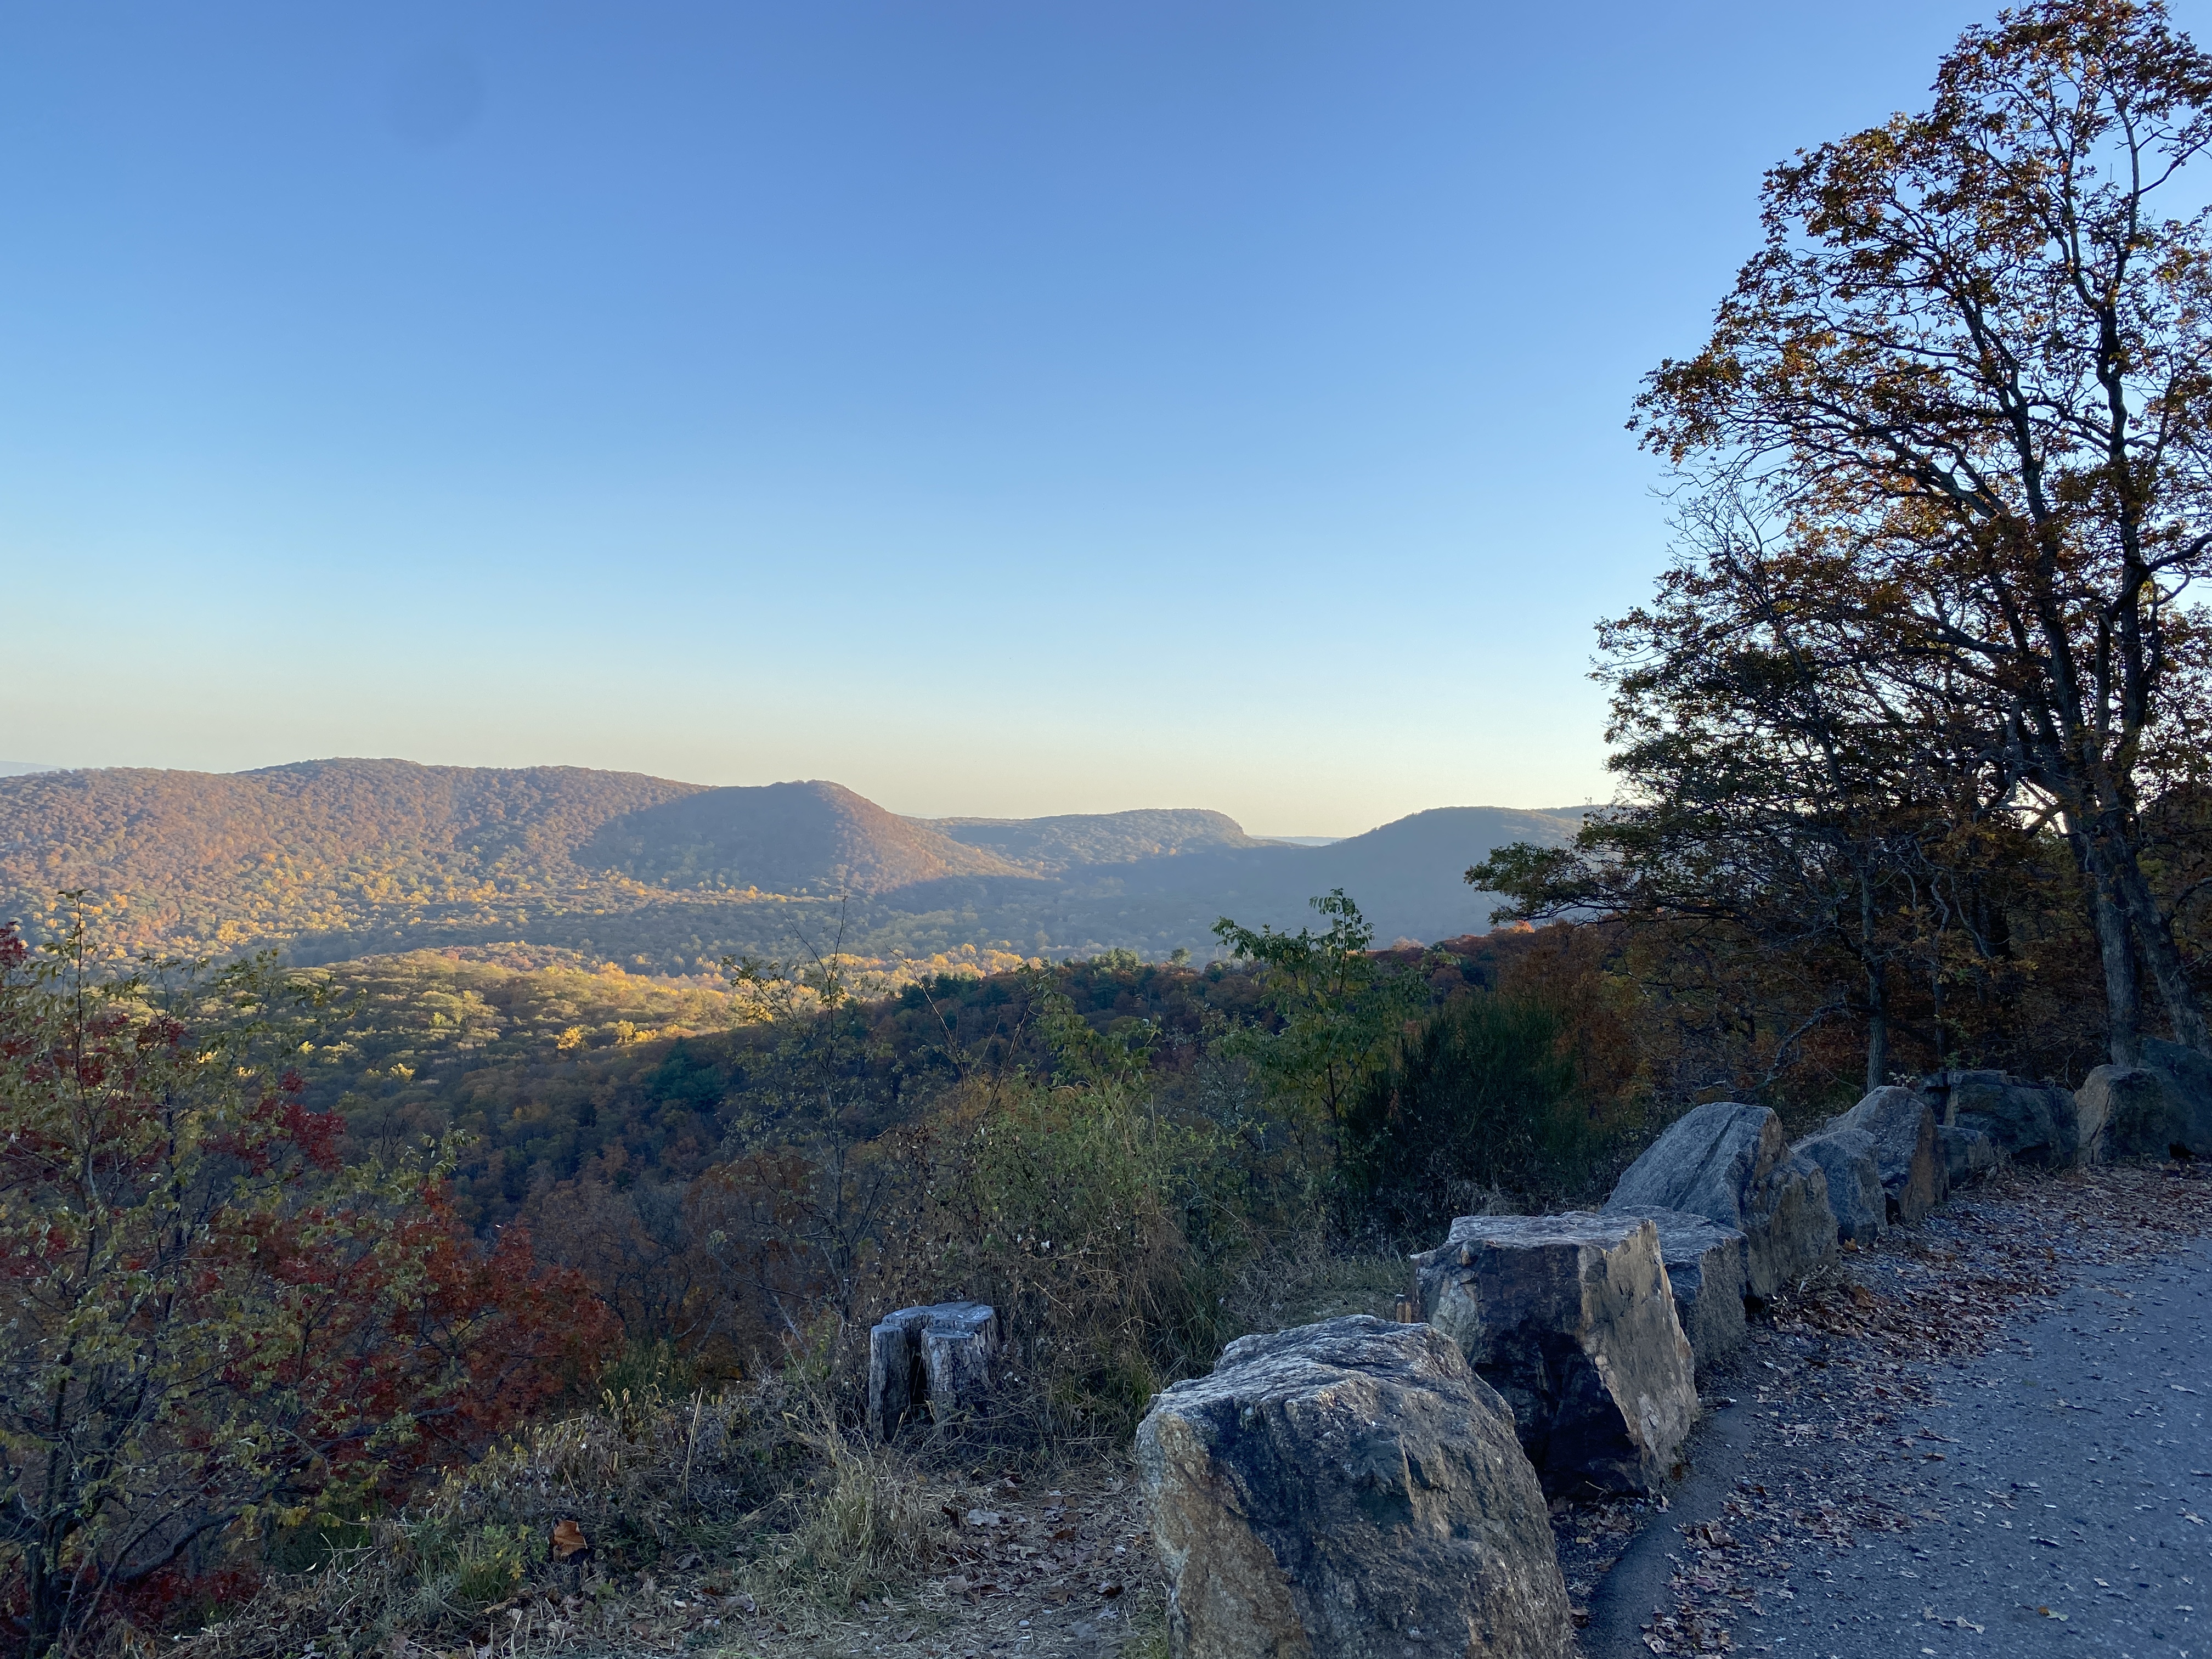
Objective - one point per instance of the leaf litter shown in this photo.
(1846, 1359)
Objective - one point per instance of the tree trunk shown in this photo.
(43, 1633)
(1877, 1066)
(2123, 990)
(2153, 932)
(1877, 1053)
(1936, 1006)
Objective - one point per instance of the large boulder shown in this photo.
(2105, 1088)
(1348, 1490)
(1967, 1154)
(1902, 1126)
(1708, 1268)
(2191, 1087)
(1571, 1319)
(2032, 1123)
(1728, 1162)
(1846, 1156)
(2143, 1111)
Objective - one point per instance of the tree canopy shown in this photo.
(1947, 468)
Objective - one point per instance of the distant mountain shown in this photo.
(1048, 846)
(16, 769)
(331, 859)
(1406, 877)
(813, 839)
(207, 861)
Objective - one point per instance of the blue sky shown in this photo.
(999, 408)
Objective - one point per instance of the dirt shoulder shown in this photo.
(1038, 1572)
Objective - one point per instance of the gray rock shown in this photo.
(1728, 1162)
(1846, 1156)
(1708, 1268)
(2194, 1069)
(1571, 1319)
(937, 1358)
(1967, 1154)
(2031, 1123)
(2141, 1111)
(2191, 1090)
(2092, 1108)
(1902, 1125)
(1348, 1490)
(1942, 1090)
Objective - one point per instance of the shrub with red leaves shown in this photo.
(212, 1323)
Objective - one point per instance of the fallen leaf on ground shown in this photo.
(1934, 1618)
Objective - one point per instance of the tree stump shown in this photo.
(937, 1359)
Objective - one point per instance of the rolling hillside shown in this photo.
(1049, 846)
(337, 858)
(816, 840)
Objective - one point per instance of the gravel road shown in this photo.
(2053, 1495)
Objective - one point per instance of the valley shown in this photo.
(334, 860)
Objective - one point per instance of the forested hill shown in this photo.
(336, 859)
(1048, 846)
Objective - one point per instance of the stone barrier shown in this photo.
(1349, 1489)
(1571, 1318)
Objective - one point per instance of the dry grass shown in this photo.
(747, 1523)
(872, 1524)
(648, 1520)
(1278, 1291)
(754, 1521)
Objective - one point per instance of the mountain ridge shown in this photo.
(331, 858)
(1049, 845)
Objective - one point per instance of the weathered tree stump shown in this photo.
(936, 1358)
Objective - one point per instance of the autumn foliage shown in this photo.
(216, 1325)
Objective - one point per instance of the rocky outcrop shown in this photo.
(1967, 1154)
(2144, 1111)
(1728, 1162)
(2031, 1123)
(1708, 1269)
(1846, 1156)
(1571, 1319)
(2191, 1090)
(1902, 1125)
(937, 1358)
(1349, 1489)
